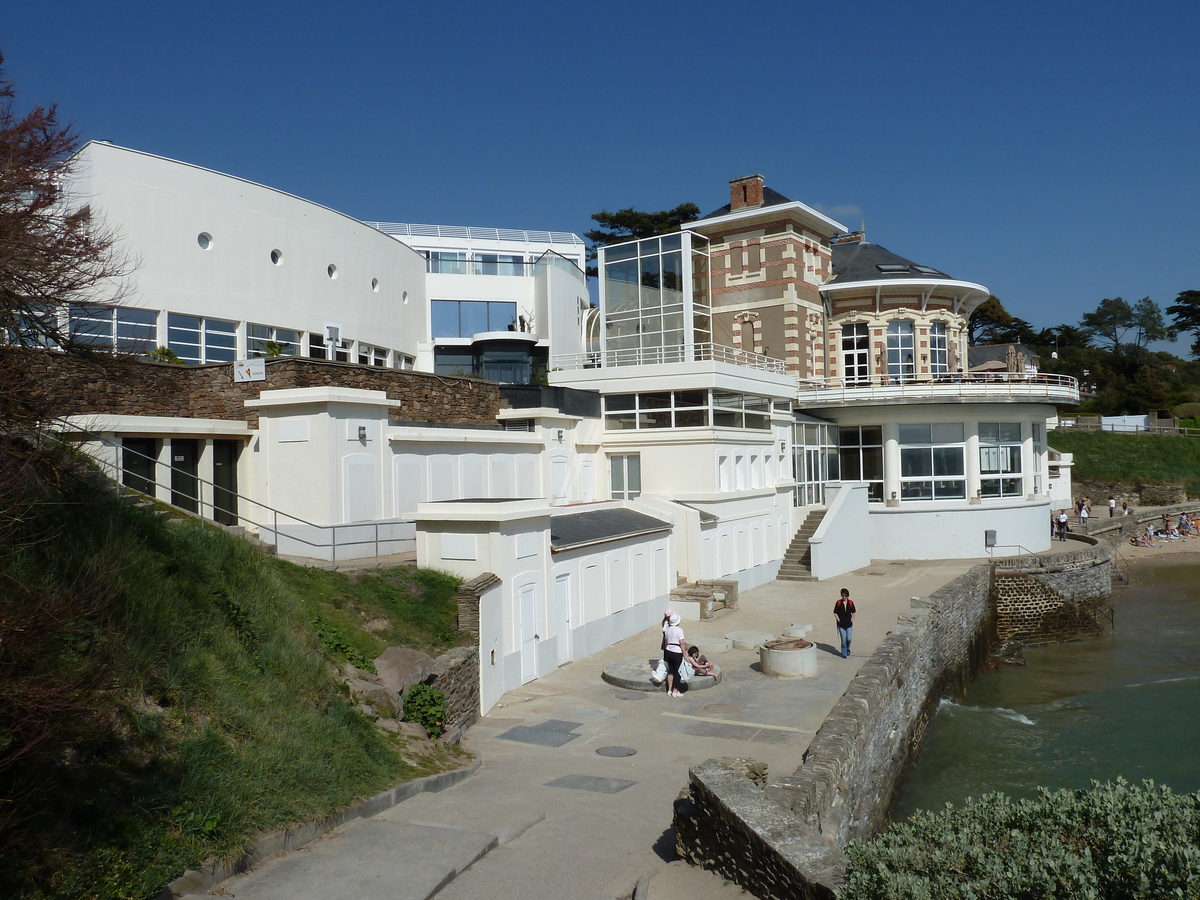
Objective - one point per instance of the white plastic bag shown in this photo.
(686, 672)
(658, 674)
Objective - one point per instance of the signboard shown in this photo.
(250, 370)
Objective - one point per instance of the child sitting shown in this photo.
(700, 664)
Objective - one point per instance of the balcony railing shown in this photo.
(984, 385)
(651, 356)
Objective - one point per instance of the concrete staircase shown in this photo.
(797, 562)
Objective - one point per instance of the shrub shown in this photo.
(426, 706)
(1112, 841)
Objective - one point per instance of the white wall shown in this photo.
(956, 530)
(158, 207)
(842, 542)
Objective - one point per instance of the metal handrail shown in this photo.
(648, 356)
(115, 471)
(894, 387)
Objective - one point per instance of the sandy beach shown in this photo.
(1183, 552)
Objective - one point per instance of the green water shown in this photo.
(1127, 704)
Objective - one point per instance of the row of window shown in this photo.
(932, 460)
(686, 409)
(900, 348)
(456, 262)
(464, 318)
(196, 339)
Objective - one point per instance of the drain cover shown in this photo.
(630, 695)
(723, 709)
(616, 751)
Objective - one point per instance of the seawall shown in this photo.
(780, 836)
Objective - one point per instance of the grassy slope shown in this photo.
(164, 694)
(1132, 457)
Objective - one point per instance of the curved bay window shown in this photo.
(1000, 459)
(931, 462)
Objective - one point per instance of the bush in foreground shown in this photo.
(1113, 841)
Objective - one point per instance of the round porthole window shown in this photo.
(375, 285)
(277, 257)
(332, 271)
(204, 239)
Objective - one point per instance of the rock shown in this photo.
(451, 736)
(401, 667)
(1008, 653)
(352, 672)
(380, 697)
(412, 729)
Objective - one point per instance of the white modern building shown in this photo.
(759, 368)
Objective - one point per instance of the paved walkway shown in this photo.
(548, 817)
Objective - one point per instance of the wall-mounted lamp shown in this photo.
(782, 446)
(559, 434)
(362, 432)
(979, 493)
(893, 495)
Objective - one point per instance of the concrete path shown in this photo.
(548, 816)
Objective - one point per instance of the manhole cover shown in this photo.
(723, 709)
(616, 751)
(630, 695)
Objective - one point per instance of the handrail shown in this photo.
(648, 356)
(893, 387)
(115, 470)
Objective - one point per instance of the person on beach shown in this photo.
(1084, 512)
(843, 614)
(1112, 507)
(673, 644)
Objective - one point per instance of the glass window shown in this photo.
(938, 358)
(860, 458)
(1000, 459)
(116, 328)
(267, 340)
(443, 316)
(444, 262)
(900, 350)
(856, 353)
(932, 461)
(626, 476)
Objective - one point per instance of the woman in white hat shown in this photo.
(673, 644)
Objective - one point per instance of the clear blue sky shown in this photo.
(1047, 150)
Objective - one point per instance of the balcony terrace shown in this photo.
(652, 356)
(990, 387)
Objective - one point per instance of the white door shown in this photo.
(562, 616)
(527, 604)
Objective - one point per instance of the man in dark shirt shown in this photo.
(843, 613)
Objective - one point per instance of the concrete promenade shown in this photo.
(547, 817)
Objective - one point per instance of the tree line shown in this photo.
(1109, 351)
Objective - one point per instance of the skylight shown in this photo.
(926, 270)
(893, 269)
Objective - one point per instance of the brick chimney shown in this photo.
(745, 192)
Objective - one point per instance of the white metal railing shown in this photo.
(1059, 388)
(650, 356)
(213, 502)
(470, 232)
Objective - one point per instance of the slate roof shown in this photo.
(770, 198)
(597, 525)
(861, 261)
(977, 356)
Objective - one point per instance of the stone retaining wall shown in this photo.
(456, 674)
(783, 841)
(106, 385)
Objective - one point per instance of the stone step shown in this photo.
(788, 577)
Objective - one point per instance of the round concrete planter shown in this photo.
(788, 658)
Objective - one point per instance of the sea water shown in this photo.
(1126, 704)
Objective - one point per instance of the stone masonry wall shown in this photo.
(856, 761)
(457, 676)
(107, 385)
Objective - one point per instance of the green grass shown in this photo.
(1132, 457)
(164, 694)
